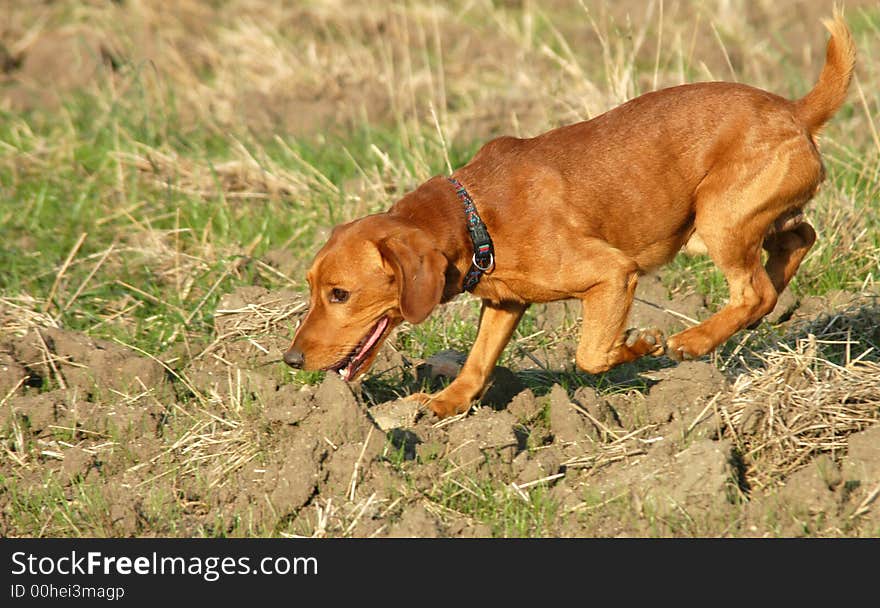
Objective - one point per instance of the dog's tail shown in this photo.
(828, 95)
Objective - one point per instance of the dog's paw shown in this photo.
(645, 341)
(442, 405)
(689, 344)
(422, 398)
(678, 353)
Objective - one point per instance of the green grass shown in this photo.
(77, 183)
(495, 505)
(89, 190)
(52, 508)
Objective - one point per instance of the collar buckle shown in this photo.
(483, 260)
(487, 266)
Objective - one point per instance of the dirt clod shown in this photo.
(339, 415)
(87, 364)
(487, 429)
(808, 489)
(395, 414)
(56, 61)
(253, 323)
(40, 410)
(542, 463)
(785, 307)
(288, 404)
(76, 462)
(566, 424)
(416, 521)
(682, 389)
(296, 476)
(12, 374)
(525, 406)
(598, 408)
(698, 478)
(862, 462)
(346, 467)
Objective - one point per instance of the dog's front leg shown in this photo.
(497, 323)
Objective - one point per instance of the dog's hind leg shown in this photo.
(752, 295)
(738, 208)
(786, 250)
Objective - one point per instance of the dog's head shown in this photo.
(371, 275)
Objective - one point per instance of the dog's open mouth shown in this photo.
(350, 365)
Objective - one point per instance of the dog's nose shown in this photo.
(295, 358)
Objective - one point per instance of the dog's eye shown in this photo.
(338, 296)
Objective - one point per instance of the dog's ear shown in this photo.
(420, 272)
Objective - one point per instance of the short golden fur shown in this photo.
(580, 212)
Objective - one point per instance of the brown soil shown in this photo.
(228, 446)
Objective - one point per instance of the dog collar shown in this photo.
(483, 260)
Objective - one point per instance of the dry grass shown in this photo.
(235, 179)
(806, 398)
(257, 325)
(19, 314)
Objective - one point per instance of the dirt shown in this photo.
(75, 361)
(11, 373)
(35, 77)
(226, 444)
(680, 396)
(567, 425)
(653, 307)
(829, 495)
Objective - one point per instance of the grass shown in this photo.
(132, 201)
(528, 514)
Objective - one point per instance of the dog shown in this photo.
(580, 212)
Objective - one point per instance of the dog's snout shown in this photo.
(295, 358)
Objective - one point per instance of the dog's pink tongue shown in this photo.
(374, 337)
(348, 372)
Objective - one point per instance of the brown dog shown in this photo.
(580, 212)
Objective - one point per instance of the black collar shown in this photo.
(483, 261)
